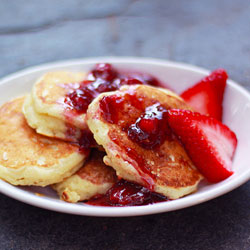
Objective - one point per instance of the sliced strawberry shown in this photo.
(209, 143)
(207, 95)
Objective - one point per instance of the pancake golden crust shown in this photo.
(166, 169)
(27, 158)
(48, 101)
(92, 179)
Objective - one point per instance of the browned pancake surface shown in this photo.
(95, 171)
(93, 178)
(21, 145)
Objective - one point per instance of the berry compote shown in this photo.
(125, 193)
(103, 78)
(151, 128)
(86, 140)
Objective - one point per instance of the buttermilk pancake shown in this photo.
(94, 178)
(27, 158)
(46, 110)
(131, 126)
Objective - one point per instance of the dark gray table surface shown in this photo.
(210, 34)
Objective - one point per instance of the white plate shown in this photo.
(176, 75)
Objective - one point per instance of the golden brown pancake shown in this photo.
(47, 102)
(27, 158)
(165, 169)
(92, 179)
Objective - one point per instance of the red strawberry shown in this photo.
(209, 143)
(207, 95)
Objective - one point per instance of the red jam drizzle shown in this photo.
(103, 78)
(103, 71)
(124, 193)
(110, 107)
(151, 129)
(85, 140)
(79, 99)
(141, 167)
(144, 78)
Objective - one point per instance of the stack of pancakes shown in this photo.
(37, 148)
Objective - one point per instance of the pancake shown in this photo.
(46, 111)
(48, 125)
(92, 179)
(27, 158)
(164, 168)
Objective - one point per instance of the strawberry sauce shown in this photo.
(103, 78)
(149, 131)
(142, 166)
(85, 139)
(151, 128)
(110, 107)
(125, 193)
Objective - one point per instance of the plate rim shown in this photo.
(86, 210)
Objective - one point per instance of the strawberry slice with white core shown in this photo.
(206, 96)
(209, 143)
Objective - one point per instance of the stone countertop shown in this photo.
(210, 34)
